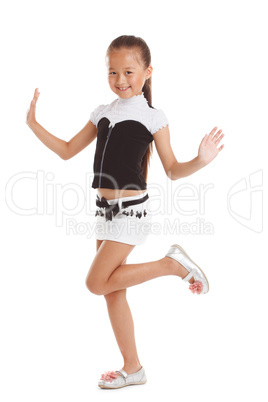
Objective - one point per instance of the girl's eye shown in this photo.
(129, 72)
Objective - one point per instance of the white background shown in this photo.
(210, 69)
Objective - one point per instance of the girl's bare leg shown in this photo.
(123, 326)
(134, 274)
(107, 274)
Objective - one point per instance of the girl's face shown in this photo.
(126, 73)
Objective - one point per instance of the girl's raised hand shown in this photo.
(30, 118)
(208, 150)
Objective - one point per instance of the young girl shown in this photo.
(125, 130)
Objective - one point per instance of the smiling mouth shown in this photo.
(123, 89)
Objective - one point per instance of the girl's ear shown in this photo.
(149, 72)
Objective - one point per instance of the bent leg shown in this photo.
(107, 275)
(110, 255)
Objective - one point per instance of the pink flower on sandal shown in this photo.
(109, 376)
(196, 287)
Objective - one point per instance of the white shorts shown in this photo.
(131, 225)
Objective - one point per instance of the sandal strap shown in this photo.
(123, 373)
(189, 276)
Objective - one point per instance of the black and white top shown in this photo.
(125, 130)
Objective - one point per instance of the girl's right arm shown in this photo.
(64, 149)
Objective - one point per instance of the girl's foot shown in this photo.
(121, 378)
(198, 280)
(178, 269)
(130, 369)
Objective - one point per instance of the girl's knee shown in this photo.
(93, 287)
(96, 286)
(116, 295)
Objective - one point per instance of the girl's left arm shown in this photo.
(207, 151)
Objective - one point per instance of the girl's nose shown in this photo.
(121, 79)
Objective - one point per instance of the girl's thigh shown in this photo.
(98, 244)
(109, 256)
(117, 293)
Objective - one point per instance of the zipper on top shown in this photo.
(107, 139)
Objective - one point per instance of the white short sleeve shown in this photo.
(159, 120)
(95, 115)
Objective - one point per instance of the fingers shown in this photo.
(219, 139)
(36, 96)
(30, 116)
(212, 132)
(216, 138)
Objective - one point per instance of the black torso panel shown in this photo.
(119, 154)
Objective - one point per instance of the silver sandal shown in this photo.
(119, 379)
(201, 285)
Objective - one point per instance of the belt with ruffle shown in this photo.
(113, 209)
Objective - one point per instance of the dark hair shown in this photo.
(130, 42)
